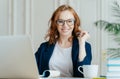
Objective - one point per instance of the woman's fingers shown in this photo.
(84, 35)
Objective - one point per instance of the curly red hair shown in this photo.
(53, 33)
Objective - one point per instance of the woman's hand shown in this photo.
(83, 36)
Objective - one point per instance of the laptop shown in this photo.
(17, 59)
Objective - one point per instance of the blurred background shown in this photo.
(30, 17)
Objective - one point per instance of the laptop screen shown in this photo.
(17, 58)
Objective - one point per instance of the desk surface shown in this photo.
(74, 78)
(64, 78)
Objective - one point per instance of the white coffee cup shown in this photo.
(89, 71)
(51, 73)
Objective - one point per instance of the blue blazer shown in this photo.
(45, 51)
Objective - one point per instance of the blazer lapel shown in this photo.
(75, 51)
(49, 52)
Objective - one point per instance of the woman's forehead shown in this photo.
(66, 15)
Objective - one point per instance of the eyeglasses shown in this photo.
(69, 22)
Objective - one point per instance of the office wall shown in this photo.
(20, 17)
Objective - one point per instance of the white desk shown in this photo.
(64, 78)
(72, 78)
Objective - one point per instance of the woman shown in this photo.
(66, 48)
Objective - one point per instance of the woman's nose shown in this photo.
(65, 24)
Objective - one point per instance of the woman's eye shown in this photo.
(70, 21)
(61, 21)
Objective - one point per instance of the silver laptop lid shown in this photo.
(17, 58)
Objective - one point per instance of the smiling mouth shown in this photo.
(64, 30)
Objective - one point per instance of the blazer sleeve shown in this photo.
(88, 58)
(86, 61)
(38, 56)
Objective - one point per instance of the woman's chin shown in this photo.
(65, 34)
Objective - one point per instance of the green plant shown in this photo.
(113, 29)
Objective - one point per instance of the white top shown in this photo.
(61, 60)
